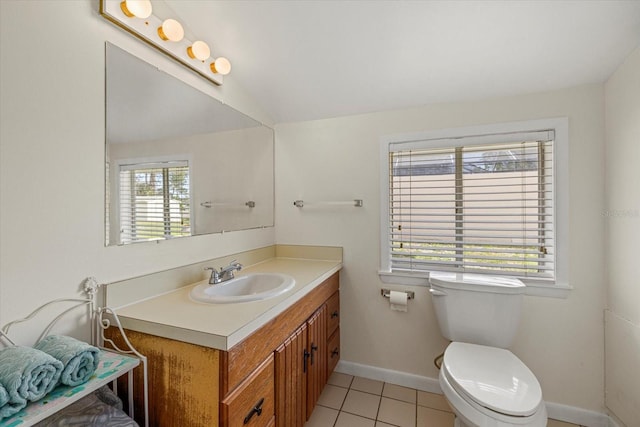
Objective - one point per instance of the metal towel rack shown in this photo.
(207, 204)
(358, 203)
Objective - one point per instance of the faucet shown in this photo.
(225, 273)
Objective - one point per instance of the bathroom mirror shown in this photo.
(179, 162)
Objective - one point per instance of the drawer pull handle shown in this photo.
(255, 410)
(334, 314)
(335, 352)
(305, 357)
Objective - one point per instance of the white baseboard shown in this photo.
(613, 422)
(557, 411)
(387, 375)
(575, 415)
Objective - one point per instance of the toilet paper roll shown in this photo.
(398, 301)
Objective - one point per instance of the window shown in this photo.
(473, 203)
(154, 201)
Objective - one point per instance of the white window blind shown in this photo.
(481, 204)
(154, 201)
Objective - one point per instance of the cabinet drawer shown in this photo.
(252, 402)
(333, 351)
(333, 313)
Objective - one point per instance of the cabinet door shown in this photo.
(291, 380)
(317, 370)
(252, 403)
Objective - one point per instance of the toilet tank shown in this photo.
(477, 309)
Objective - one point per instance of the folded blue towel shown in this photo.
(4, 396)
(80, 359)
(27, 374)
(6, 407)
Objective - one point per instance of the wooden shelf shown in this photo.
(111, 366)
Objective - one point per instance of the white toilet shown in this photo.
(485, 384)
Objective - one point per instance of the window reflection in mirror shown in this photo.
(155, 201)
(179, 162)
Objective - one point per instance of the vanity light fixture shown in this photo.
(221, 66)
(158, 32)
(199, 50)
(171, 30)
(136, 8)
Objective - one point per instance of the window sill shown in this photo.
(422, 279)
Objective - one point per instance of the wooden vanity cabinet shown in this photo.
(304, 337)
(272, 377)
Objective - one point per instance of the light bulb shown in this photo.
(221, 66)
(138, 8)
(199, 50)
(171, 30)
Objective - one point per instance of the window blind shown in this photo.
(482, 208)
(154, 201)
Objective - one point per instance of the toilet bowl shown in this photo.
(490, 387)
(485, 384)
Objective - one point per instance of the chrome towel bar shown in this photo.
(358, 203)
(207, 204)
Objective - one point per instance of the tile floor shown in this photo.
(349, 401)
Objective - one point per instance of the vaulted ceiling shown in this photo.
(305, 60)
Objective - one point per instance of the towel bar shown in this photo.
(358, 203)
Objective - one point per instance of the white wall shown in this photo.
(561, 340)
(622, 328)
(52, 158)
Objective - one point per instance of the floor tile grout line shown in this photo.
(380, 396)
(359, 415)
(342, 404)
(416, 409)
(415, 404)
(389, 397)
(379, 404)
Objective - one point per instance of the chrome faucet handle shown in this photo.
(233, 265)
(215, 275)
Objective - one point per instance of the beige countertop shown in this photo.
(175, 315)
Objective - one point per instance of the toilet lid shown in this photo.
(492, 377)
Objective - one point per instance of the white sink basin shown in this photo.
(250, 287)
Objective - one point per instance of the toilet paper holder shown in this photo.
(387, 292)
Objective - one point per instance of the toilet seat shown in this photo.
(493, 378)
(470, 414)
